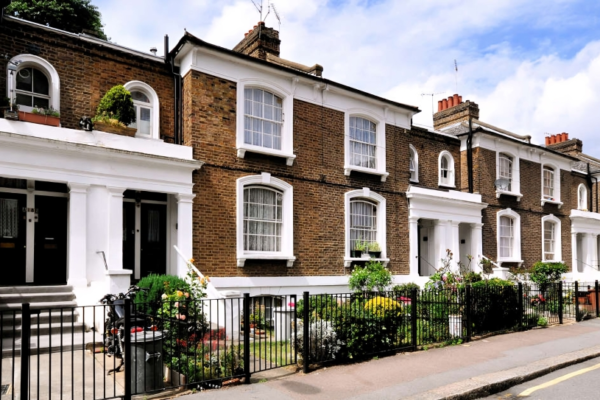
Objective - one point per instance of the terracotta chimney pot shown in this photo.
(565, 136)
(444, 104)
(547, 140)
(459, 99)
(456, 100)
(553, 139)
(440, 105)
(450, 102)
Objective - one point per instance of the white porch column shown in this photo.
(476, 245)
(454, 241)
(77, 235)
(185, 231)
(413, 233)
(115, 228)
(574, 251)
(441, 230)
(590, 249)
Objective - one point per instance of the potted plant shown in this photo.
(359, 247)
(12, 113)
(43, 116)
(115, 112)
(374, 250)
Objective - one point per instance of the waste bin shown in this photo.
(146, 361)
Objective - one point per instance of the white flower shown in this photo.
(164, 296)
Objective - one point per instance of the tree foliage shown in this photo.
(74, 16)
(117, 103)
(374, 276)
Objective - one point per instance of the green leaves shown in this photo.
(373, 276)
(117, 103)
(74, 16)
(543, 273)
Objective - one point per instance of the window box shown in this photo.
(552, 201)
(39, 118)
(349, 260)
(507, 193)
(116, 129)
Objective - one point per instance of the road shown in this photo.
(577, 382)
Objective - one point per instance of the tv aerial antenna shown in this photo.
(260, 8)
(432, 94)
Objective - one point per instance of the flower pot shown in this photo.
(375, 254)
(354, 254)
(39, 118)
(12, 115)
(177, 378)
(116, 129)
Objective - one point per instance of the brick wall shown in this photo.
(317, 177)
(529, 208)
(86, 71)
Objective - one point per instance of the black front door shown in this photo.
(50, 255)
(129, 235)
(153, 246)
(12, 238)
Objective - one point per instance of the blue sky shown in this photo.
(533, 67)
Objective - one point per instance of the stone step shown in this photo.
(46, 329)
(10, 319)
(50, 343)
(38, 297)
(35, 289)
(47, 305)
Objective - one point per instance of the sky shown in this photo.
(532, 66)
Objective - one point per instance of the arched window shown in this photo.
(146, 104)
(363, 143)
(508, 236)
(33, 82)
(548, 183)
(365, 221)
(551, 246)
(413, 164)
(265, 219)
(263, 118)
(505, 166)
(446, 169)
(582, 197)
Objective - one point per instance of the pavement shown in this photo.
(466, 371)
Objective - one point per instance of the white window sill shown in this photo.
(349, 168)
(553, 262)
(241, 259)
(349, 260)
(501, 260)
(442, 185)
(548, 201)
(241, 153)
(507, 193)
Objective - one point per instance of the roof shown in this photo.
(188, 37)
(462, 129)
(87, 38)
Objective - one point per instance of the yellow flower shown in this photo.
(192, 260)
(179, 293)
(382, 305)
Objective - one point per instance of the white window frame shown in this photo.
(516, 257)
(287, 228)
(287, 133)
(31, 61)
(515, 184)
(557, 238)
(582, 199)
(415, 157)
(451, 183)
(154, 105)
(380, 163)
(366, 193)
(555, 181)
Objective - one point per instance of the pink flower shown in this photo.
(444, 278)
(291, 304)
(176, 304)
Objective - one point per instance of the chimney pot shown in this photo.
(440, 106)
(456, 101)
(553, 139)
(255, 26)
(246, 34)
(547, 140)
(565, 136)
(459, 99)
(450, 102)
(444, 104)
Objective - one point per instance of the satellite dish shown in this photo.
(502, 184)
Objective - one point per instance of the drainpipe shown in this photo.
(170, 61)
(470, 156)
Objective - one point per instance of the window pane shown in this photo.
(24, 100)
(139, 96)
(153, 226)
(41, 103)
(362, 143)
(25, 79)
(9, 218)
(363, 222)
(144, 121)
(40, 82)
(263, 116)
(262, 219)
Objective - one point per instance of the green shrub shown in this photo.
(320, 307)
(117, 103)
(544, 273)
(373, 276)
(472, 277)
(406, 288)
(542, 322)
(156, 283)
(496, 282)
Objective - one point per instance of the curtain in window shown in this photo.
(506, 169)
(263, 118)
(153, 226)
(548, 183)
(262, 219)
(412, 167)
(363, 143)
(549, 240)
(363, 222)
(446, 171)
(9, 218)
(582, 198)
(506, 237)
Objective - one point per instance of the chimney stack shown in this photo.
(453, 110)
(560, 142)
(259, 42)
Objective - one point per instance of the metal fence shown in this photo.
(65, 352)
